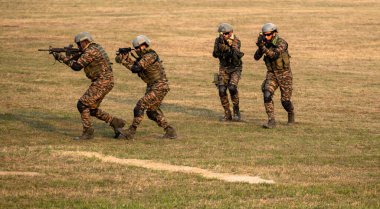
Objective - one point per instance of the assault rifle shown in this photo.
(126, 51)
(73, 53)
(123, 50)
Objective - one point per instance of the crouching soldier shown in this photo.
(148, 66)
(97, 67)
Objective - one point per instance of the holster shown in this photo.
(216, 79)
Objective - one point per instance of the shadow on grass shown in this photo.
(52, 123)
(193, 111)
(38, 120)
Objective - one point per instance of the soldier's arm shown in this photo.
(77, 65)
(146, 61)
(274, 53)
(216, 52)
(236, 44)
(127, 62)
(258, 54)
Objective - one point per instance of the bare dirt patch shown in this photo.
(172, 168)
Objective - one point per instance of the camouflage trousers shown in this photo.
(151, 103)
(274, 80)
(229, 80)
(92, 99)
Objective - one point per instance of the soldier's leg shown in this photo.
(94, 96)
(286, 89)
(101, 115)
(268, 87)
(158, 116)
(234, 93)
(225, 103)
(222, 89)
(88, 131)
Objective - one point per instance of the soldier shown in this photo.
(227, 50)
(97, 67)
(279, 73)
(148, 66)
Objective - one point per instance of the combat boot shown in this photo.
(291, 119)
(127, 134)
(170, 133)
(117, 123)
(227, 116)
(87, 134)
(236, 113)
(271, 124)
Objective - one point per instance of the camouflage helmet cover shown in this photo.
(269, 27)
(83, 36)
(141, 39)
(225, 28)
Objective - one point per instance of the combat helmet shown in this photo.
(269, 27)
(225, 28)
(83, 36)
(141, 39)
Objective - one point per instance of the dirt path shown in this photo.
(172, 168)
(19, 173)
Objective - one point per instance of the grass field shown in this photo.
(329, 159)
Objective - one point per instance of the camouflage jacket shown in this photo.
(96, 62)
(151, 65)
(228, 52)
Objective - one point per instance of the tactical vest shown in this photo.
(154, 72)
(282, 62)
(101, 65)
(232, 59)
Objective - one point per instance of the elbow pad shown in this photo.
(76, 67)
(136, 68)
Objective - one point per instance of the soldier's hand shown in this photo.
(224, 47)
(260, 40)
(58, 56)
(119, 58)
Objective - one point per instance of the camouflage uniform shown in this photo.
(153, 74)
(230, 69)
(97, 67)
(279, 74)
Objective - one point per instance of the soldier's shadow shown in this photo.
(193, 111)
(42, 121)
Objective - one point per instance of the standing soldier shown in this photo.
(279, 73)
(148, 66)
(97, 67)
(227, 50)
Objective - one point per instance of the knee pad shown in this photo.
(93, 112)
(288, 106)
(232, 88)
(222, 91)
(267, 96)
(138, 111)
(81, 107)
(152, 115)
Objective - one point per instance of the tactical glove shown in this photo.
(119, 58)
(58, 56)
(224, 47)
(260, 41)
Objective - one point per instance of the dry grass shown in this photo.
(330, 159)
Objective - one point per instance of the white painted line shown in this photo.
(172, 168)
